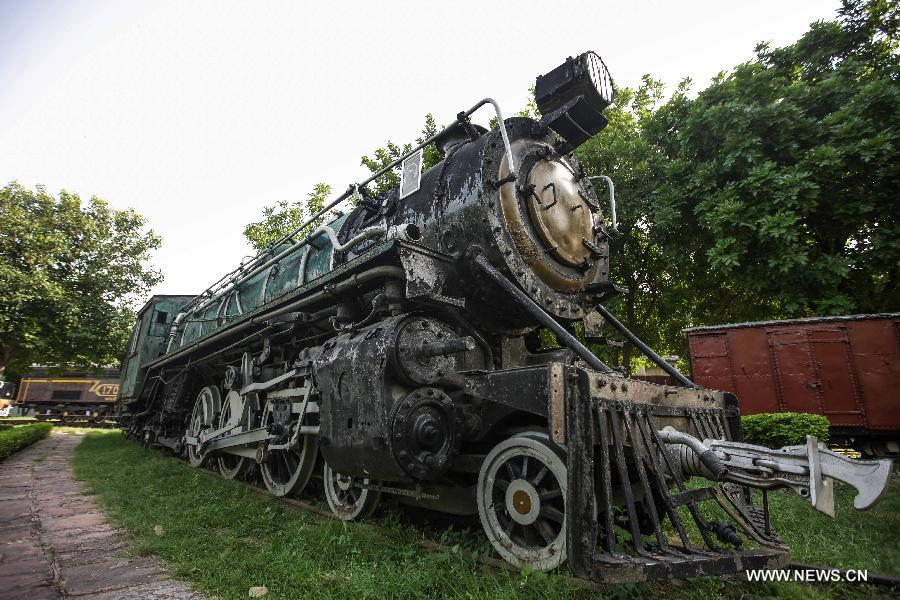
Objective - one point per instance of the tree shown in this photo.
(658, 299)
(781, 177)
(70, 273)
(771, 194)
(390, 152)
(285, 217)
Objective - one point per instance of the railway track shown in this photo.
(66, 421)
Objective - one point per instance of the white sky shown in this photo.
(198, 114)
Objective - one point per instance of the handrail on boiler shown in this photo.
(614, 227)
(253, 264)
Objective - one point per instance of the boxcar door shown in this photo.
(795, 371)
(837, 376)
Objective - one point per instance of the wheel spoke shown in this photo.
(553, 514)
(550, 495)
(281, 467)
(510, 470)
(540, 476)
(546, 531)
(524, 474)
(522, 534)
(511, 528)
(287, 468)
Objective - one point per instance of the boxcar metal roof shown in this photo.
(803, 321)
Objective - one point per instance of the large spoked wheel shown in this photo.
(521, 499)
(287, 472)
(231, 466)
(347, 497)
(203, 418)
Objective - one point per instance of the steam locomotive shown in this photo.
(393, 351)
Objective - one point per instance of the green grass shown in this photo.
(14, 439)
(223, 539)
(853, 540)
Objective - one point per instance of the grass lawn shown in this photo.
(223, 539)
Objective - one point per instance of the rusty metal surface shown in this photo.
(557, 404)
(548, 236)
(559, 213)
(844, 368)
(616, 534)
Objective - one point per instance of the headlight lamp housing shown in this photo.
(572, 96)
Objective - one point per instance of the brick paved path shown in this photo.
(56, 543)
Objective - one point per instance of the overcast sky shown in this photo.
(198, 114)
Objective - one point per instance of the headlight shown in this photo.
(572, 97)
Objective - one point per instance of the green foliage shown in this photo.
(69, 274)
(285, 217)
(390, 152)
(531, 110)
(781, 178)
(775, 430)
(14, 439)
(656, 308)
(772, 194)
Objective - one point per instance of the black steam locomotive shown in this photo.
(394, 351)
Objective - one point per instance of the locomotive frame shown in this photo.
(394, 350)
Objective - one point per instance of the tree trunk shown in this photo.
(5, 355)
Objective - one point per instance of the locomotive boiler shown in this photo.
(394, 351)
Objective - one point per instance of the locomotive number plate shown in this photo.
(411, 174)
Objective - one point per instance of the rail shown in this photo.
(100, 422)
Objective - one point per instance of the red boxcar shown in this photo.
(845, 368)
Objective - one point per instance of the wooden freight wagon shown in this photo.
(845, 368)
